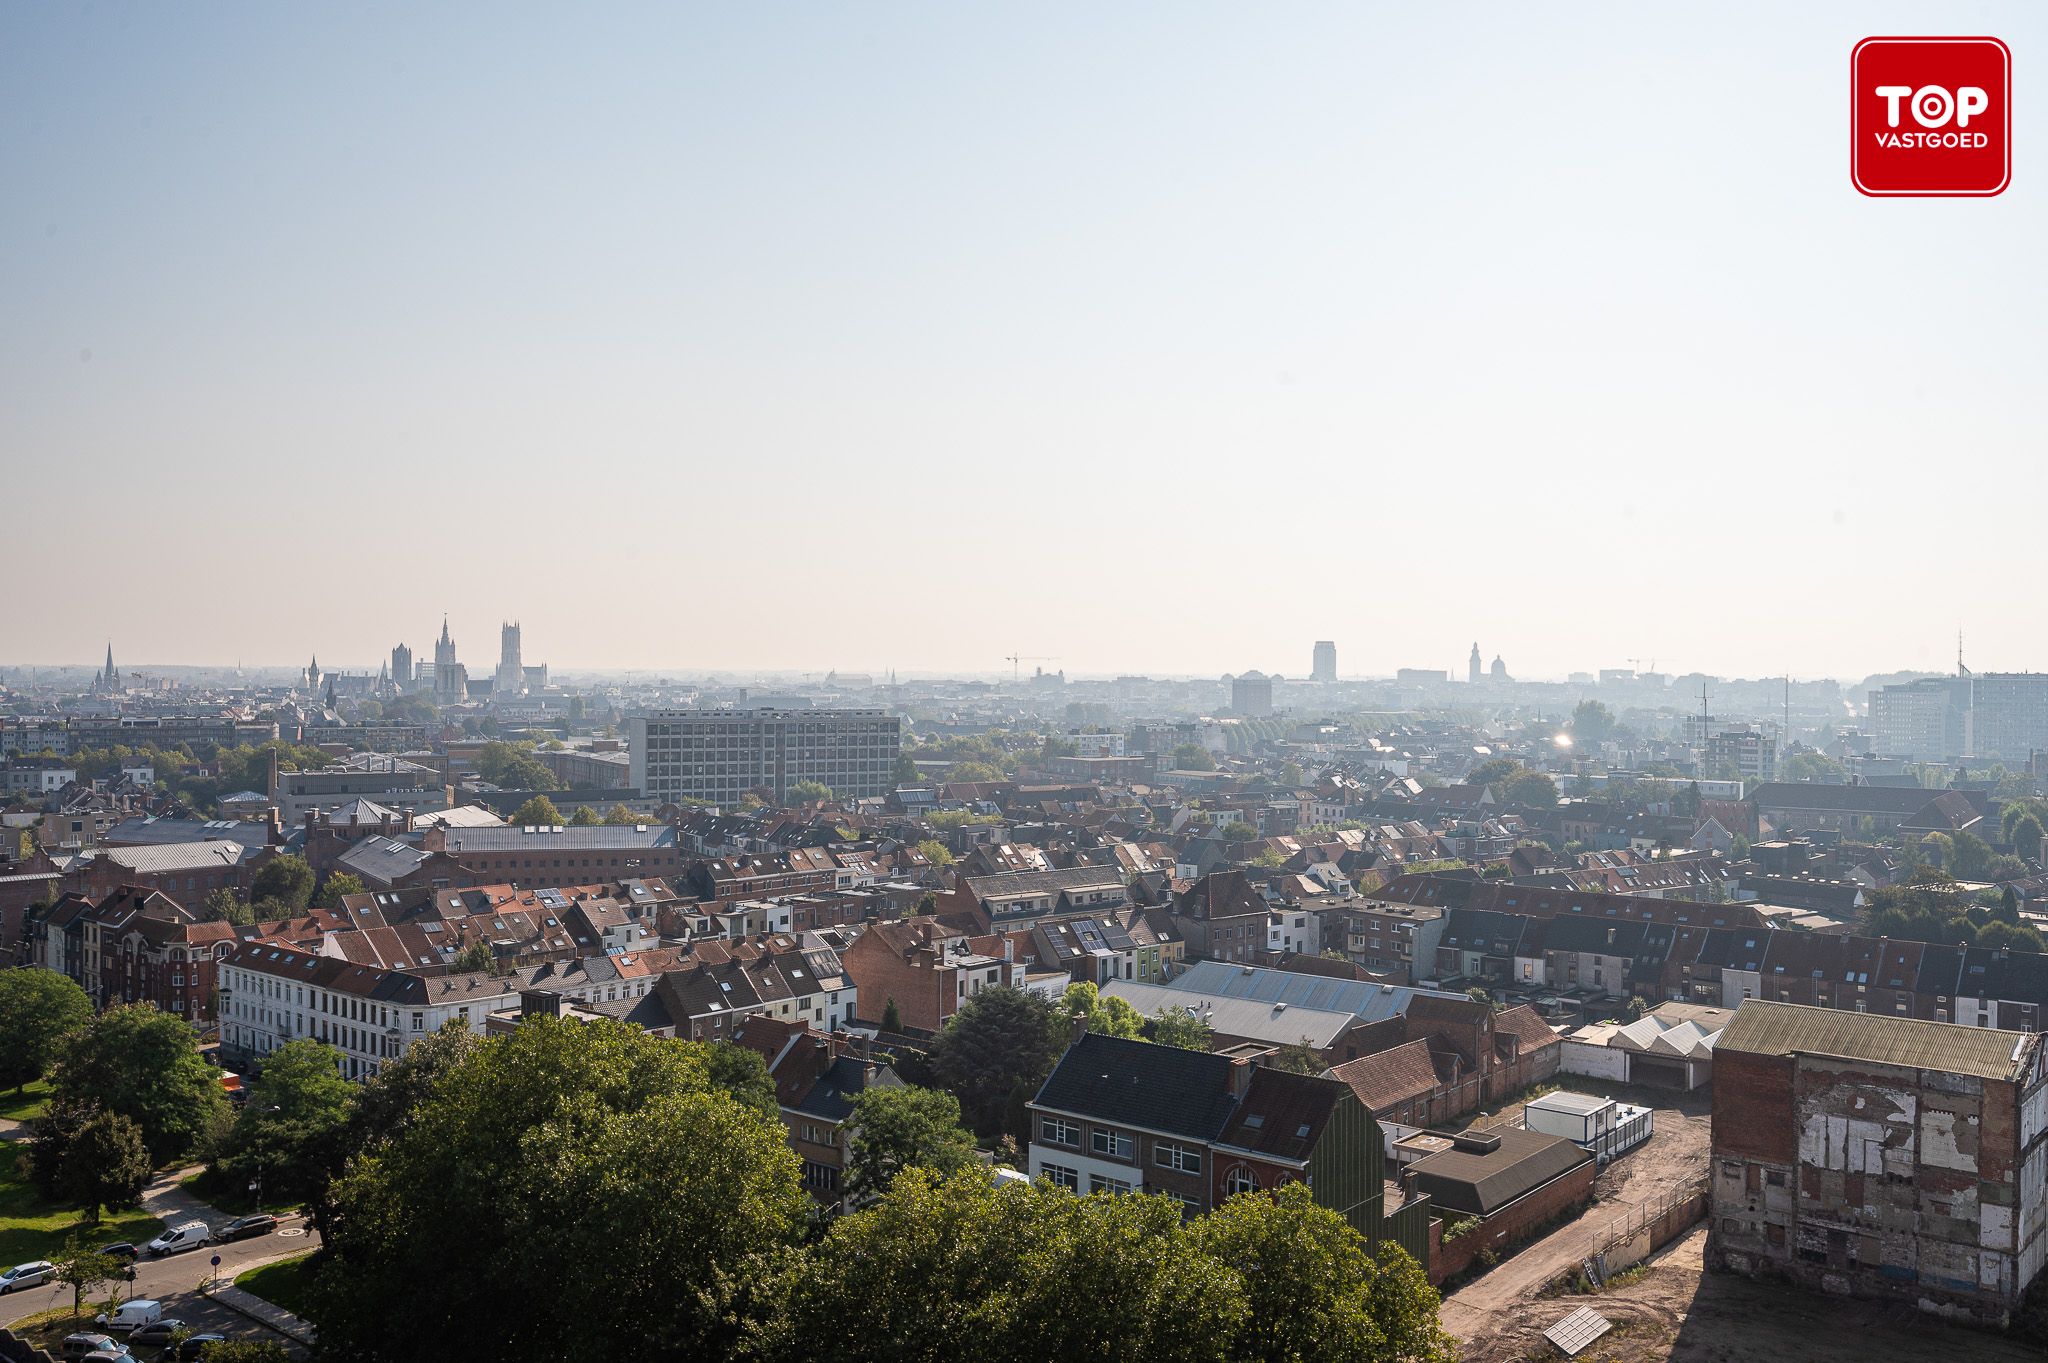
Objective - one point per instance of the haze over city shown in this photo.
(794, 340)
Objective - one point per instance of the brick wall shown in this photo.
(1510, 1224)
(1754, 1117)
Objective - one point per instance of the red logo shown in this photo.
(1930, 117)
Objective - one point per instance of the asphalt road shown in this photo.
(179, 1276)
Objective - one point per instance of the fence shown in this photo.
(1646, 1229)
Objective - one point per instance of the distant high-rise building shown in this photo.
(1251, 695)
(401, 667)
(1474, 668)
(511, 678)
(721, 755)
(1325, 667)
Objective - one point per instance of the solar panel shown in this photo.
(1577, 1330)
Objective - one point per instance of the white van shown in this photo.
(178, 1239)
(131, 1315)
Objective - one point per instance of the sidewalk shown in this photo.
(262, 1312)
(173, 1205)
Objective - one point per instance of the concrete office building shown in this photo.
(720, 755)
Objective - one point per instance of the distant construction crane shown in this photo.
(1017, 661)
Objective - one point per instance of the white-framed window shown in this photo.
(1059, 1131)
(1241, 1180)
(1178, 1157)
(1098, 1184)
(1115, 1144)
(1060, 1174)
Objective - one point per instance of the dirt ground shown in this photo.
(1672, 1160)
(1675, 1313)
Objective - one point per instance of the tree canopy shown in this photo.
(995, 1052)
(582, 1190)
(538, 812)
(1193, 757)
(298, 1107)
(38, 1010)
(1036, 1272)
(902, 1126)
(1110, 1016)
(143, 1065)
(1179, 1027)
(286, 879)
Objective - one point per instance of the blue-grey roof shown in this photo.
(1137, 1083)
(1361, 998)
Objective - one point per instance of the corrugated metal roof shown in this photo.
(1765, 1028)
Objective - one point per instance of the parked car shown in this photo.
(127, 1251)
(155, 1334)
(117, 1354)
(179, 1239)
(194, 1346)
(83, 1343)
(32, 1274)
(246, 1227)
(131, 1315)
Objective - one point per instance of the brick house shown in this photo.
(1882, 1157)
(925, 968)
(1119, 1116)
(1222, 917)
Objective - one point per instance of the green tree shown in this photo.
(298, 1108)
(228, 905)
(892, 1018)
(2010, 937)
(584, 817)
(1193, 757)
(1592, 723)
(935, 852)
(473, 957)
(2026, 837)
(620, 815)
(904, 773)
(1298, 1057)
(1493, 772)
(741, 1075)
(900, 1127)
(1533, 789)
(809, 792)
(586, 1156)
(337, 884)
(1314, 1290)
(1109, 1016)
(145, 1066)
(1179, 1027)
(39, 1009)
(82, 1269)
(1237, 830)
(1972, 855)
(538, 812)
(512, 766)
(106, 1166)
(247, 1351)
(995, 1052)
(285, 878)
(1025, 1273)
(1268, 859)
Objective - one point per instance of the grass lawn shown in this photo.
(31, 1228)
(286, 1283)
(27, 1104)
(231, 1195)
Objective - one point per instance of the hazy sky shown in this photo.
(1165, 338)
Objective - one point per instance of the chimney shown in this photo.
(541, 1003)
(1240, 1076)
(1077, 1027)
